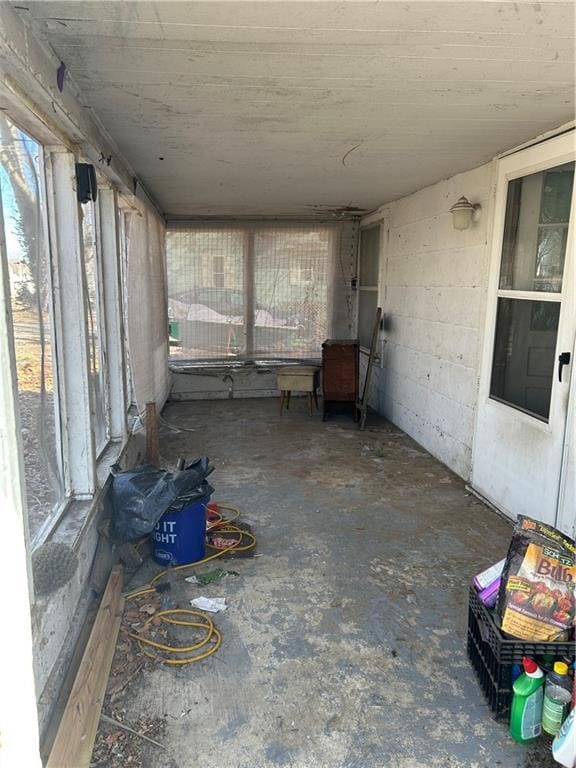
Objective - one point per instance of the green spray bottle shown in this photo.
(526, 715)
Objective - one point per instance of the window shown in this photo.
(368, 270)
(24, 212)
(95, 319)
(249, 291)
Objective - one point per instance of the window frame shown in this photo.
(40, 534)
(124, 213)
(101, 324)
(368, 288)
(83, 476)
(247, 232)
(112, 301)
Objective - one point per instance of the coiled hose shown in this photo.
(185, 617)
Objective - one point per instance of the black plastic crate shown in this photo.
(493, 655)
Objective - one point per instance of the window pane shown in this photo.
(550, 258)
(535, 230)
(369, 256)
(367, 306)
(557, 194)
(524, 354)
(291, 279)
(205, 292)
(124, 227)
(95, 327)
(29, 273)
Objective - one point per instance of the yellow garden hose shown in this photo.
(167, 617)
(222, 525)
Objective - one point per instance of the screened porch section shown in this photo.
(257, 290)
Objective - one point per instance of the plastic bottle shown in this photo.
(526, 715)
(564, 745)
(557, 697)
(517, 670)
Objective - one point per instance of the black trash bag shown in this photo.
(137, 498)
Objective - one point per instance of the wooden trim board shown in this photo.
(77, 730)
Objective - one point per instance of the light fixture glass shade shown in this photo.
(462, 212)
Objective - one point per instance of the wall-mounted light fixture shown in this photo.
(464, 213)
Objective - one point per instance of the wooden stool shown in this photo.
(298, 378)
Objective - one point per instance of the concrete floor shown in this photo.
(344, 644)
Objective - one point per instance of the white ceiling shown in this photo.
(292, 108)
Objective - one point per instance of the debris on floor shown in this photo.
(210, 604)
(337, 564)
(208, 578)
(119, 744)
(218, 542)
(521, 636)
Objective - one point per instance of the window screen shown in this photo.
(291, 280)
(146, 307)
(248, 291)
(206, 292)
(24, 209)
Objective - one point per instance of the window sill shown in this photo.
(177, 366)
(75, 515)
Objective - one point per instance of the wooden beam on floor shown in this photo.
(77, 731)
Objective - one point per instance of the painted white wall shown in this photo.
(433, 293)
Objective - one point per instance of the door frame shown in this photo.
(547, 154)
(566, 512)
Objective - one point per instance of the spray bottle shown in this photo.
(526, 715)
(564, 745)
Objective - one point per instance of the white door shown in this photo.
(523, 444)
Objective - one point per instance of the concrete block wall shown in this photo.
(223, 382)
(433, 293)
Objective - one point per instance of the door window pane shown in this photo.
(369, 269)
(369, 256)
(98, 374)
(524, 354)
(367, 306)
(536, 230)
(21, 169)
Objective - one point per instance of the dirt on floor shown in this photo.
(344, 641)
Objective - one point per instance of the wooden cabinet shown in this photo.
(339, 373)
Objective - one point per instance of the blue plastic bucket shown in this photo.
(180, 535)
